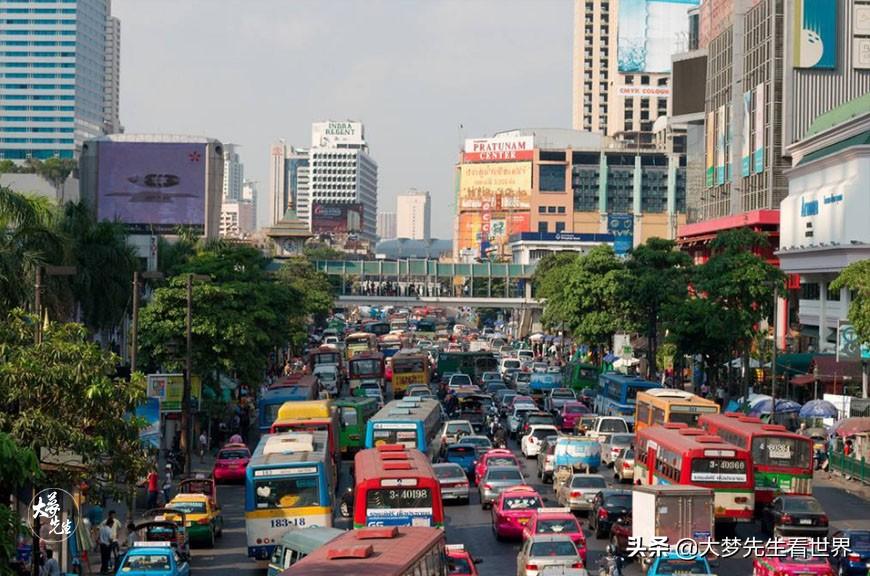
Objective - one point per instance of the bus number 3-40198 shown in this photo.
(287, 522)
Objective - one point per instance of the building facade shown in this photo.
(53, 74)
(234, 173)
(238, 218)
(386, 225)
(288, 175)
(112, 90)
(413, 215)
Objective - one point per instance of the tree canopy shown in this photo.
(856, 277)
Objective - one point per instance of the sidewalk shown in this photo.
(837, 479)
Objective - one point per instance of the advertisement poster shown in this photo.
(709, 128)
(152, 185)
(758, 151)
(336, 218)
(720, 145)
(650, 32)
(169, 390)
(491, 229)
(502, 186)
(622, 228)
(815, 34)
(746, 150)
(150, 412)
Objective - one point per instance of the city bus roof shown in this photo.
(368, 355)
(391, 461)
(633, 380)
(304, 410)
(408, 409)
(290, 448)
(673, 394)
(739, 422)
(681, 437)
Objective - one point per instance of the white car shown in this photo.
(531, 442)
(451, 431)
(508, 364)
(614, 446)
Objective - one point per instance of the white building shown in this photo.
(413, 215)
(386, 226)
(288, 173)
(234, 173)
(531, 247)
(112, 88)
(237, 218)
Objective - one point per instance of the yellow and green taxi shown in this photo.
(204, 521)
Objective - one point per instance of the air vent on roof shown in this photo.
(708, 440)
(349, 552)
(399, 412)
(675, 425)
(403, 465)
(774, 428)
(735, 414)
(289, 442)
(394, 456)
(390, 448)
(376, 533)
(692, 432)
(750, 419)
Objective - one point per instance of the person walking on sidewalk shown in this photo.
(105, 540)
(203, 445)
(167, 485)
(151, 481)
(51, 567)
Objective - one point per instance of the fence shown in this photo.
(856, 468)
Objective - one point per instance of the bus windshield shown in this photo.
(365, 368)
(719, 470)
(406, 365)
(779, 451)
(294, 492)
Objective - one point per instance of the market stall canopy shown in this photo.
(818, 409)
(852, 426)
(782, 407)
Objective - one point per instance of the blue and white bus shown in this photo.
(289, 483)
(411, 422)
(274, 398)
(541, 383)
(617, 393)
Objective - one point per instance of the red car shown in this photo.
(459, 561)
(772, 564)
(557, 521)
(231, 463)
(513, 510)
(570, 414)
(495, 457)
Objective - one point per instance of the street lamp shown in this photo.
(134, 348)
(186, 439)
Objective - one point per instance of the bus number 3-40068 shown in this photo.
(287, 522)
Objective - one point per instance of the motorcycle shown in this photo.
(611, 564)
(821, 458)
(345, 507)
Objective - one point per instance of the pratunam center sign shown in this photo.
(499, 149)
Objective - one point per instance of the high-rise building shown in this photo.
(288, 173)
(341, 172)
(413, 215)
(386, 226)
(237, 218)
(112, 89)
(53, 67)
(234, 173)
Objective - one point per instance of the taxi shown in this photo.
(459, 561)
(495, 457)
(557, 521)
(791, 565)
(231, 463)
(673, 563)
(152, 559)
(513, 510)
(204, 520)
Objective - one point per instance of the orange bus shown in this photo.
(677, 454)
(782, 462)
(389, 551)
(395, 486)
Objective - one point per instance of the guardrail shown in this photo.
(856, 468)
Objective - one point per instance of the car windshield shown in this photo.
(628, 454)
(503, 461)
(521, 503)
(448, 472)
(858, 539)
(613, 425)
(460, 380)
(680, 566)
(147, 563)
(576, 409)
(454, 427)
(458, 565)
(232, 455)
(588, 482)
(188, 507)
(562, 394)
(621, 500)
(510, 474)
(540, 419)
(557, 526)
(561, 548)
(542, 433)
(805, 505)
(622, 439)
(476, 441)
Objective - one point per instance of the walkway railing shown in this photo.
(856, 468)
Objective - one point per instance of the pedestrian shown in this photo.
(131, 534)
(203, 445)
(51, 567)
(167, 484)
(152, 489)
(105, 540)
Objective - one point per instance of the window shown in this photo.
(560, 227)
(542, 209)
(833, 295)
(810, 291)
(560, 209)
(551, 178)
(644, 80)
(551, 209)
(542, 227)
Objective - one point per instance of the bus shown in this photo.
(395, 486)
(663, 405)
(323, 355)
(474, 364)
(289, 483)
(411, 422)
(782, 462)
(360, 342)
(270, 403)
(579, 376)
(409, 367)
(377, 328)
(309, 416)
(617, 393)
(540, 384)
(677, 454)
(425, 329)
(391, 344)
(377, 552)
(353, 415)
(365, 367)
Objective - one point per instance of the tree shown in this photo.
(856, 277)
(314, 286)
(315, 251)
(657, 278)
(18, 467)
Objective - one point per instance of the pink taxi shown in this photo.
(557, 521)
(791, 565)
(513, 510)
(495, 457)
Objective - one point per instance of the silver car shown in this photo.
(496, 479)
(613, 446)
(579, 492)
(453, 481)
(547, 550)
(516, 418)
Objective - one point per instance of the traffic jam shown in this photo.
(387, 430)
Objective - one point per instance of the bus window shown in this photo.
(365, 367)
(348, 416)
(779, 451)
(398, 498)
(407, 438)
(286, 493)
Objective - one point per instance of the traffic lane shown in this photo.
(844, 509)
(229, 557)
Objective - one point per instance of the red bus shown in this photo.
(677, 454)
(396, 486)
(389, 551)
(782, 462)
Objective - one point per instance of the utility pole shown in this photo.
(186, 428)
(134, 332)
(773, 354)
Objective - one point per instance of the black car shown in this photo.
(535, 417)
(856, 557)
(607, 508)
(795, 516)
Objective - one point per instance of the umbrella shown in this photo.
(852, 426)
(818, 409)
(610, 358)
(782, 407)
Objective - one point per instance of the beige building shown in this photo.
(413, 215)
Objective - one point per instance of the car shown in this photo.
(525, 354)
(547, 550)
(460, 561)
(578, 493)
(569, 413)
(538, 417)
(153, 559)
(792, 515)
(673, 563)
(558, 396)
(488, 377)
(453, 481)
(608, 425)
(204, 521)
(462, 454)
(493, 387)
(546, 458)
(530, 444)
(502, 400)
(623, 467)
(481, 444)
(512, 510)
(522, 381)
(857, 555)
(508, 363)
(557, 521)
(615, 444)
(539, 367)
(459, 381)
(495, 457)
(517, 414)
(451, 432)
(230, 463)
(329, 378)
(372, 390)
(417, 390)
(790, 559)
(608, 507)
(496, 479)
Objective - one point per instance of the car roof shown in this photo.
(576, 475)
(448, 465)
(189, 497)
(150, 550)
(502, 467)
(615, 492)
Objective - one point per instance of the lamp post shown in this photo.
(134, 335)
(186, 440)
(773, 354)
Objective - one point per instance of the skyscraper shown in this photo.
(112, 71)
(234, 173)
(413, 215)
(288, 173)
(53, 67)
(386, 227)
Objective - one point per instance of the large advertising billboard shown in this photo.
(650, 32)
(332, 134)
(336, 218)
(152, 186)
(503, 148)
(496, 186)
(815, 34)
(492, 229)
(758, 150)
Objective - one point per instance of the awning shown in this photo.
(829, 370)
(802, 380)
(793, 364)
(852, 426)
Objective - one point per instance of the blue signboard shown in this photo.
(621, 226)
(815, 33)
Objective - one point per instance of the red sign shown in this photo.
(498, 156)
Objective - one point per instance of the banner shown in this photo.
(487, 229)
(622, 228)
(758, 152)
(709, 128)
(150, 412)
(499, 149)
(720, 145)
(169, 389)
(747, 134)
(496, 186)
(815, 34)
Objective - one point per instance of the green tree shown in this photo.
(856, 277)
(315, 251)
(18, 467)
(317, 294)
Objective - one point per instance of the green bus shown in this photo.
(354, 413)
(578, 375)
(474, 364)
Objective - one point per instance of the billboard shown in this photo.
(710, 133)
(496, 186)
(330, 134)
(499, 149)
(650, 32)
(622, 228)
(747, 134)
(815, 34)
(153, 186)
(720, 145)
(169, 389)
(490, 228)
(336, 218)
(758, 152)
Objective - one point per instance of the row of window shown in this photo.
(813, 291)
(37, 43)
(37, 141)
(39, 64)
(38, 32)
(17, 21)
(11, 129)
(40, 1)
(25, 75)
(36, 97)
(39, 108)
(544, 227)
(37, 119)
(23, 154)
(19, 54)
(551, 209)
(37, 10)
(38, 86)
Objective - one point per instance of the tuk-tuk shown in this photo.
(575, 453)
(155, 527)
(200, 484)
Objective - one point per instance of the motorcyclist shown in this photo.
(610, 564)
(499, 436)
